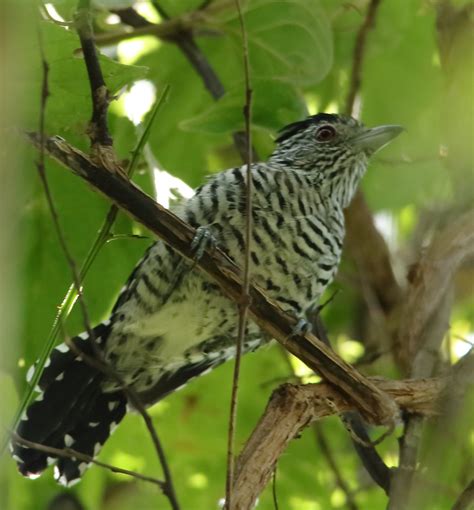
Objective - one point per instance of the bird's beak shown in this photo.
(375, 138)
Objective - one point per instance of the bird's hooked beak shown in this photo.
(373, 139)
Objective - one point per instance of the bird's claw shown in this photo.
(203, 239)
(301, 328)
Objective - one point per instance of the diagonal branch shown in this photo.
(372, 403)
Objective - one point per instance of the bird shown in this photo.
(170, 322)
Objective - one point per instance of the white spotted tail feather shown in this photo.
(71, 411)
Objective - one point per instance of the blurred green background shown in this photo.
(417, 72)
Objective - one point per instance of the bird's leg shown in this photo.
(203, 239)
(301, 328)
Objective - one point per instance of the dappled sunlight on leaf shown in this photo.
(349, 349)
(126, 461)
(130, 51)
(303, 504)
(198, 481)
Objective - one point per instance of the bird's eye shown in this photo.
(325, 133)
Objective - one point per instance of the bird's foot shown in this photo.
(301, 328)
(203, 239)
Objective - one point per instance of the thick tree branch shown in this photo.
(294, 407)
(373, 404)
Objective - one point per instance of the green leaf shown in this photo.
(69, 103)
(275, 103)
(402, 85)
(288, 39)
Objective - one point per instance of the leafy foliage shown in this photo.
(301, 57)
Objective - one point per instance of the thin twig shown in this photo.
(274, 488)
(358, 55)
(165, 31)
(185, 41)
(49, 198)
(69, 453)
(245, 297)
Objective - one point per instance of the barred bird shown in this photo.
(170, 322)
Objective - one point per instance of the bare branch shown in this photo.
(293, 407)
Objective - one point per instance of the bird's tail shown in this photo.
(70, 411)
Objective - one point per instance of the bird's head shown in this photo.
(333, 148)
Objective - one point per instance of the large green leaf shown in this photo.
(288, 39)
(396, 74)
(69, 103)
(275, 103)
